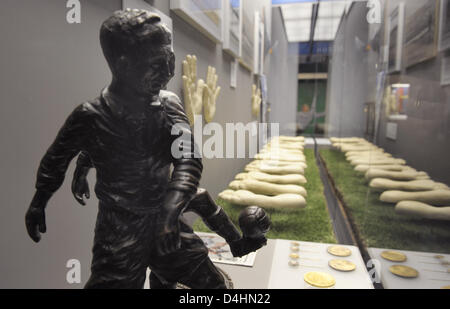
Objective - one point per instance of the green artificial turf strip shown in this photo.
(310, 224)
(377, 223)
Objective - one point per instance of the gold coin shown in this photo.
(404, 271)
(446, 287)
(393, 256)
(295, 249)
(319, 280)
(439, 257)
(294, 256)
(339, 251)
(295, 244)
(342, 265)
(293, 263)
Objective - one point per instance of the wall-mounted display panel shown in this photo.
(421, 33)
(396, 25)
(444, 40)
(247, 38)
(445, 70)
(258, 52)
(391, 130)
(204, 15)
(267, 33)
(231, 27)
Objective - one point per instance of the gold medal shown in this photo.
(393, 256)
(294, 256)
(342, 265)
(295, 249)
(339, 251)
(319, 280)
(404, 271)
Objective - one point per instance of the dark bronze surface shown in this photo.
(127, 135)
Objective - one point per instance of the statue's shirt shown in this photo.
(131, 153)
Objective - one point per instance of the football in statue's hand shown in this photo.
(254, 222)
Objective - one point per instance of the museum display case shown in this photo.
(387, 117)
(230, 144)
(373, 108)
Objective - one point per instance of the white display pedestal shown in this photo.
(272, 271)
(314, 257)
(256, 277)
(432, 273)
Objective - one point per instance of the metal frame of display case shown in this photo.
(231, 41)
(445, 70)
(200, 14)
(247, 37)
(444, 36)
(396, 20)
(258, 51)
(417, 48)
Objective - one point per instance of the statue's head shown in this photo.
(138, 49)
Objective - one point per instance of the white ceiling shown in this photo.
(298, 17)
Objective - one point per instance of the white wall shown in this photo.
(48, 68)
(282, 78)
(347, 90)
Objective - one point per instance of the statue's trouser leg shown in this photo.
(157, 284)
(121, 249)
(189, 265)
(205, 277)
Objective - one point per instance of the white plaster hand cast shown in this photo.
(390, 102)
(210, 95)
(256, 101)
(193, 89)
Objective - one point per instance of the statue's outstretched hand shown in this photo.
(80, 188)
(254, 223)
(35, 222)
(245, 246)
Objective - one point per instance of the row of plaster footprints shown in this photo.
(320, 279)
